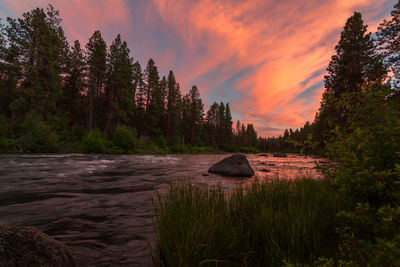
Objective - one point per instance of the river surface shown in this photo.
(101, 206)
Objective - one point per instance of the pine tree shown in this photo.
(186, 119)
(173, 109)
(228, 126)
(154, 100)
(10, 75)
(220, 130)
(74, 84)
(164, 103)
(120, 92)
(140, 97)
(196, 113)
(96, 50)
(251, 135)
(355, 66)
(211, 125)
(41, 46)
(389, 43)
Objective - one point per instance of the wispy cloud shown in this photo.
(267, 58)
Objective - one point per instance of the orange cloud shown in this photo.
(288, 40)
(80, 17)
(283, 46)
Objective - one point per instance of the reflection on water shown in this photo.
(101, 205)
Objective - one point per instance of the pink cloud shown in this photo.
(290, 40)
(282, 43)
(80, 17)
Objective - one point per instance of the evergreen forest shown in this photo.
(94, 98)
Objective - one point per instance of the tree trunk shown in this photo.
(109, 115)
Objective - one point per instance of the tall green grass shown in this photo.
(264, 224)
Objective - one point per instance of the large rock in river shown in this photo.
(28, 246)
(236, 165)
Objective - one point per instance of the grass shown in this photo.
(264, 224)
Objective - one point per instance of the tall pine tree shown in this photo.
(120, 92)
(354, 66)
(173, 109)
(140, 97)
(154, 108)
(96, 50)
(74, 84)
(37, 42)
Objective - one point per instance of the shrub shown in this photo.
(94, 142)
(124, 138)
(180, 148)
(36, 136)
(161, 142)
(249, 149)
(3, 126)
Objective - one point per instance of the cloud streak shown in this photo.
(289, 42)
(267, 58)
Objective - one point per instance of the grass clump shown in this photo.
(265, 224)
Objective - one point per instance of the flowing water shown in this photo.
(101, 206)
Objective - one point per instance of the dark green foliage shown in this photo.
(368, 155)
(246, 138)
(299, 141)
(3, 133)
(368, 170)
(37, 136)
(120, 93)
(37, 46)
(173, 109)
(218, 126)
(124, 138)
(3, 126)
(96, 64)
(262, 225)
(192, 115)
(154, 102)
(94, 142)
(72, 101)
(98, 87)
(355, 65)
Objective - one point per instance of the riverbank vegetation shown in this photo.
(352, 218)
(265, 224)
(61, 97)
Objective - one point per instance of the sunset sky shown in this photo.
(267, 58)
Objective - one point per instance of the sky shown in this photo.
(267, 58)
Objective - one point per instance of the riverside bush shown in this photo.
(124, 138)
(36, 136)
(265, 224)
(94, 142)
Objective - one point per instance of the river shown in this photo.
(101, 206)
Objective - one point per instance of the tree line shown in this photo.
(54, 96)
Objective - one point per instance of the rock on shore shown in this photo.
(236, 166)
(28, 246)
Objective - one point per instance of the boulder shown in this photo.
(280, 155)
(235, 166)
(28, 246)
